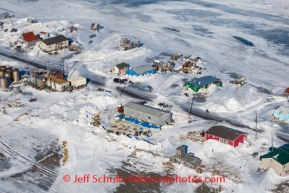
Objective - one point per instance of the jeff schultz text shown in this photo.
(87, 178)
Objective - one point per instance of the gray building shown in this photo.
(147, 114)
(187, 159)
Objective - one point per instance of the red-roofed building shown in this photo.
(29, 39)
(287, 91)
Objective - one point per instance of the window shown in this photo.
(224, 141)
(149, 117)
(138, 114)
(131, 112)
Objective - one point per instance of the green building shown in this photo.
(203, 82)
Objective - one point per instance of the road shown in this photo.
(147, 96)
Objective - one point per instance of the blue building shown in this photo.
(282, 113)
(141, 70)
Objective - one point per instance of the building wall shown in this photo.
(166, 117)
(270, 162)
(114, 70)
(285, 168)
(76, 83)
(53, 47)
(240, 139)
(56, 86)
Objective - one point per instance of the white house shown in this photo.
(55, 43)
(120, 68)
(56, 83)
(277, 159)
(77, 81)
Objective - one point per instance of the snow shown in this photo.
(197, 28)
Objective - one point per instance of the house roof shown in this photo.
(55, 40)
(283, 110)
(145, 109)
(287, 90)
(280, 154)
(143, 69)
(225, 132)
(203, 81)
(76, 78)
(122, 65)
(29, 37)
(56, 79)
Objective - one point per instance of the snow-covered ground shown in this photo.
(198, 28)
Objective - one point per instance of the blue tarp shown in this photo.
(129, 119)
(137, 122)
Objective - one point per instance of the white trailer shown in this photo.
(77, 81)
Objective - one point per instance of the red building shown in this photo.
(287, 90)
(226, 135)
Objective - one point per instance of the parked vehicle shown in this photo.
(117, 80)
(255, 154)
(32, 100)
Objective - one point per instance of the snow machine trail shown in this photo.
(26, 161)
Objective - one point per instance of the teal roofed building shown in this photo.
(203, 83)
(277, 159)
(282, 113)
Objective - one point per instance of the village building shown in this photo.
(4, 15)
(183, 157)
(226, 135)
(31, 20)
(287, 91)
(77, 81)
(147, 114)
(95, 26)
(29, 39)
(43, 35)
(141, 70)
(277, 159)
(203, 83)
(282, 113)
(56, 83)
(53, 44)
(120, 68)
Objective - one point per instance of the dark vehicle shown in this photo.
(255, 154)
(117, 80)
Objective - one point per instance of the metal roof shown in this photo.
(122, 65)
(283, 110)
(203, 81)
(29, 37)
(280, 154)
(75, 78)
(225, 132)
(143, 69)
(55, 40)
(145, 109)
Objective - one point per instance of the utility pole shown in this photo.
(67, 71)
(63, 66)
(119, 83)
(35, 82)
(47, 68)
(189, 102)
(256, 123)
(26, 58)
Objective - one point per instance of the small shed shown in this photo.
(95, 26)
(141, 70)
(187, 159)
(43, 35)
(31, 20)
(203, 83)
(277, 159)
(147, 114)
(13, 30)
(120, 68)
(77, 81)
(4, 15)
(226, 135)
(282, 113)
